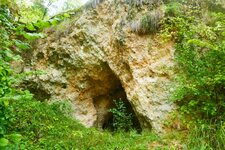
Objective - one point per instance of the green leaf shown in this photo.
(6, 102)
(42, 24)
(15, 137)
(17, 57)
(66, 15)
(200, 43)
(30, 27)
(33, 36)
(22, 45)
(54, 22)
(3, 142)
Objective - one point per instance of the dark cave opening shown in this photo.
(105, 103)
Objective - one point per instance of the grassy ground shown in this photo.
(49, 127)
(44, 126)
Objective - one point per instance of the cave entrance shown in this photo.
(112, 101)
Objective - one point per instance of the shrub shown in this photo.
(173, 9)
(200, 58)
(12, 43)
(202, 76)
(122, 120)
(7, 77)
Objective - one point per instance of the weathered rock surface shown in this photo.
(95, 56)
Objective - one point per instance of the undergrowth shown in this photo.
(45, 126)
(122, 119)
(200, 71)
(206, 136)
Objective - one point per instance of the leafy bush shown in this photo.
(6, 73)
(200, 81)
(200, 56)
(202, 77)
(122, 120)
(11, 45)
(173, 9)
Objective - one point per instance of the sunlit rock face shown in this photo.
(97, 54)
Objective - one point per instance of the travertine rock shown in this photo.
(92, 55)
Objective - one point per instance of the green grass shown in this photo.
(49, 127)
(45, 126)
(206, 136)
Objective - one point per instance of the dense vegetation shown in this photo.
(199, 34)
(199, 37)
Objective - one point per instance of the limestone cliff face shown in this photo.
(98, 56)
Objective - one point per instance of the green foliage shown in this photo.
(200, 58)
(200, 81)
(32, 36)
(12, 44)
(33, 11)
(3, 142)
(46, 126)
(173, 9)
(42, 10)
(7, 78)
(206, 136)
(122, 119)
(38, 122)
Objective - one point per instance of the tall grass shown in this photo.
(148, 23)
(206, 137)
(49, 127)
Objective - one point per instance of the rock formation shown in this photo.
(92, 57)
